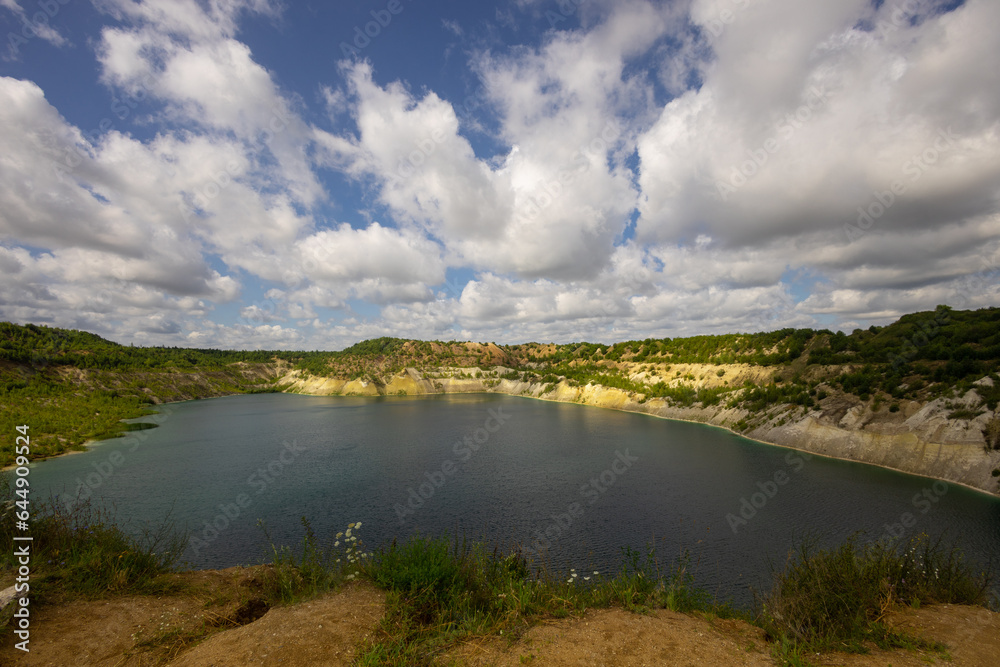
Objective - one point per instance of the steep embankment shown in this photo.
(917, 437)
(66, 406)
(218, 618)
(920, 395)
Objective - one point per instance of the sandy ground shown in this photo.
(219, 621)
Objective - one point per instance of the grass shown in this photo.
(838, 599)
(83, 554)
(314, 568)
(441, 592)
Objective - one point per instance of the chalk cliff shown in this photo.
(919, 438)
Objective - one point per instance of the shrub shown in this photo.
(991, 434)
(440, 592)
(81, 553)
(839, 598)
(316, 568)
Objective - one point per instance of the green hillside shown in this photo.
(72, 386)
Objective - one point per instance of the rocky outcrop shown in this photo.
(918, 438)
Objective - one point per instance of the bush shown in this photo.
(441, 592)
(424, 571)
(81, 552)
(317, 568)
(839, 598)
(991, 434)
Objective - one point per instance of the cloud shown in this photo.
(184, 56)
(37, 25)
(60, 192)
(550, 206)
(804, 116)
(378, 263)
(642, 169)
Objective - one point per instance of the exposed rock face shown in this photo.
(919, 438)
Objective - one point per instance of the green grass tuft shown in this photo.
(838, 599)
(83, 553)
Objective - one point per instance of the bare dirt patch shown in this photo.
(971, 633)
(141, 631)
(220, 619)
(325, 631)
(618, 637)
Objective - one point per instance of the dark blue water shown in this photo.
(574, 484)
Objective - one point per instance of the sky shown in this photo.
(258, 174)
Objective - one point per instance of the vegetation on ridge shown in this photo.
(71, 386)
(443, 592)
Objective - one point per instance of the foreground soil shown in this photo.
(218, 619)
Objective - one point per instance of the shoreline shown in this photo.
(93, 442)
(762, 442)
(86, 448)
(90, 444)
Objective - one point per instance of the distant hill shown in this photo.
(72, 386)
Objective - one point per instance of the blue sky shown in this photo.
(256, 174)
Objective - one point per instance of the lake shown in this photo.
(573, 484)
